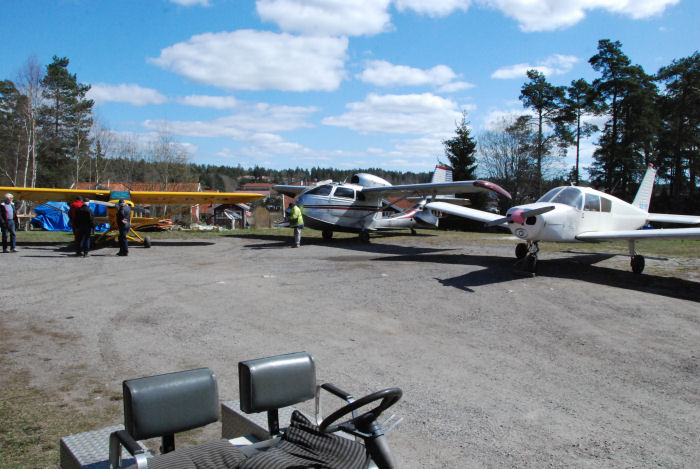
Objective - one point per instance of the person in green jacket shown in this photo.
(296, 221)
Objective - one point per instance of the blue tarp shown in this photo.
(53, 216)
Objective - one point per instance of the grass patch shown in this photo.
(33, 421)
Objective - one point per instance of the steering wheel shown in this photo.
(389, 397)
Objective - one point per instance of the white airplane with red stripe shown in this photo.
(358, 206)
(572, 214)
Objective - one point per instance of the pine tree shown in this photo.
(66, 120)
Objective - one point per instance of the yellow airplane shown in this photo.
(111, 198)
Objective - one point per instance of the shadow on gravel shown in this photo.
(354, 244)
(579, 268)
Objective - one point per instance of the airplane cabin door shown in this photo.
(590, 216)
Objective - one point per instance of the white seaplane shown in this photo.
(571, 214)
(358, 206)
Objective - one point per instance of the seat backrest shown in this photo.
(275, 382)
(167, 404)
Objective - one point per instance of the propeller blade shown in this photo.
(519, 216)
(500, 221)
(99, 202)
(538, 211)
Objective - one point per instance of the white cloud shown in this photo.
(125, 93)
(213, 102)
(383, 73)
(433, 8)
(455, 86)
(259, 60)
(418, 114)
(556, 64)
(327, 17)
(252, 119)
(189, 3)
(547, 15)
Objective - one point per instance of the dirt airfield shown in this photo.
(584, 365)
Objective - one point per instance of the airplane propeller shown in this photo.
(519, 216)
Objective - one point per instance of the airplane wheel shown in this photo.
(637, 264)
(364, 236)
(413, 232)
(520, 250)
(327, 235)
(147, 242)
(531, 263)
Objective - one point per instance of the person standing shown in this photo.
(71, 216)
(8, 223)
(74, 206)
(296, 221)
(124, 225)
(84, 224)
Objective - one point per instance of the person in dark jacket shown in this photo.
(8, 222)
(124, 225)
(71, 216)
(84, 224)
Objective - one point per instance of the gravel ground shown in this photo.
(583, 365)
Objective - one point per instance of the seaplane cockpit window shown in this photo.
(321, 190)
(592, 203)
(548, 196)
(570, 196)
(344, 192)
(605, 205)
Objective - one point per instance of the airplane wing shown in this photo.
(290, 191)
(459, 187)
(672, 218)
(193, 198)
(635, 235)
(38, 194)
(466, 212)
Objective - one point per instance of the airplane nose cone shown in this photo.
(517, 217)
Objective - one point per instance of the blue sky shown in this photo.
(331, 83)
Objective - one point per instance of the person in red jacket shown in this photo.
(71, 216)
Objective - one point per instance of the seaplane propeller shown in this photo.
(519, 216)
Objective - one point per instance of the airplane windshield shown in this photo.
(571, 196)
(548, 196)
(321, 190)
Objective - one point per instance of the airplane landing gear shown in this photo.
(528, 254)
(147, 242)
(413, 231)
(364, 236)
(531, 263)
(327, 235)
(636, 260)
(637, 264)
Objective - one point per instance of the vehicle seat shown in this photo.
(162, 405)
(268, 384)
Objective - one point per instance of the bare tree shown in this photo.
(169, 160)
(506, 157)
(104, 148)
(29, 83)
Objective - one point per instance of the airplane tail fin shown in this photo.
(643, 197)
(442, 174)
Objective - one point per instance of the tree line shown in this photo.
(645, 119)
(49, 137)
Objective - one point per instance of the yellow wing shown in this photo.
(193, 198)
(38, 194)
